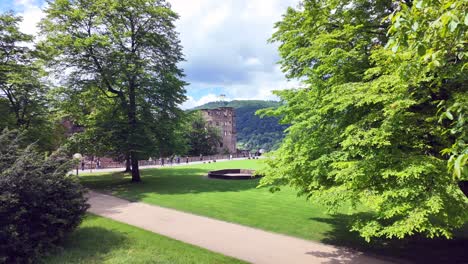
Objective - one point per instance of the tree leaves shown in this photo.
(365, 129)
(129, 51)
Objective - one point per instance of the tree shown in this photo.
(127, 49)
(372, 125)
(203, 139)
(40, 205)
(23, 93)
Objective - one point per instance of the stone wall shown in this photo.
(224, 119)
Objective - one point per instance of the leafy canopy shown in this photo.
(380, 120)
(128, 50)
(203, 139)
(24, 102)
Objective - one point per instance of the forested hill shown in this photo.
(253, 132)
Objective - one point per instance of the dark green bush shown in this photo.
(39, 203)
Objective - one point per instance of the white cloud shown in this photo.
(191, 102)
(234, 54)
(253, 61)
(31, 13)
(225, 43)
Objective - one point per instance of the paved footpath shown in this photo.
(241, 242)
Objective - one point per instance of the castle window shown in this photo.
(225, 133)
(217, 123)
(220, 145)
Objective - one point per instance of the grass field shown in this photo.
(187, 189)
(99, 240)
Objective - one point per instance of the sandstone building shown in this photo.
(224, 119)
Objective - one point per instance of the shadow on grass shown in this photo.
(410, 250)
(87, 245)
(165, 181)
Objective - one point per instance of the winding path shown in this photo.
(241, 242)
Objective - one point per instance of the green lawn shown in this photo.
(99, 240)
(187, 188)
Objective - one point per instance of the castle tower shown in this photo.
(224, 119)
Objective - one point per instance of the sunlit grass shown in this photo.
(100, 240)
(187, 188)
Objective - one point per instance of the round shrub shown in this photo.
(39, 203)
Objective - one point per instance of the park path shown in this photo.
(241, 242)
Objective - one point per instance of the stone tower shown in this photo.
(224, 119)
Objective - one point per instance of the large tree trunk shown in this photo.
(132, 120)
(135, 169)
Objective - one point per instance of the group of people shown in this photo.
(171, 160)
(175, 159)
(83, 164)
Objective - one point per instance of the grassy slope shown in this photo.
(186, 189)
(99, 240)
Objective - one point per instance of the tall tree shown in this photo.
(372, 124)
(203, 138)
(128, 49)
(23, 92)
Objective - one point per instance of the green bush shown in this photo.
(39, 203)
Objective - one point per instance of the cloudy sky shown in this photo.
(225, 45)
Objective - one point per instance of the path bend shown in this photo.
(241, 242)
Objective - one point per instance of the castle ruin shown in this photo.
(224, 119)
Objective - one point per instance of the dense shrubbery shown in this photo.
(39, 203)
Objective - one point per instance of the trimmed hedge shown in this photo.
(39, 203)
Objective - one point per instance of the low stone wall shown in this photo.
(233, 174)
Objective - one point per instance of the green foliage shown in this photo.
(40, 204)
(376, 126)
(434, 34)
(203, 139)
(23, 93)
(253, 131)
(128, 50)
